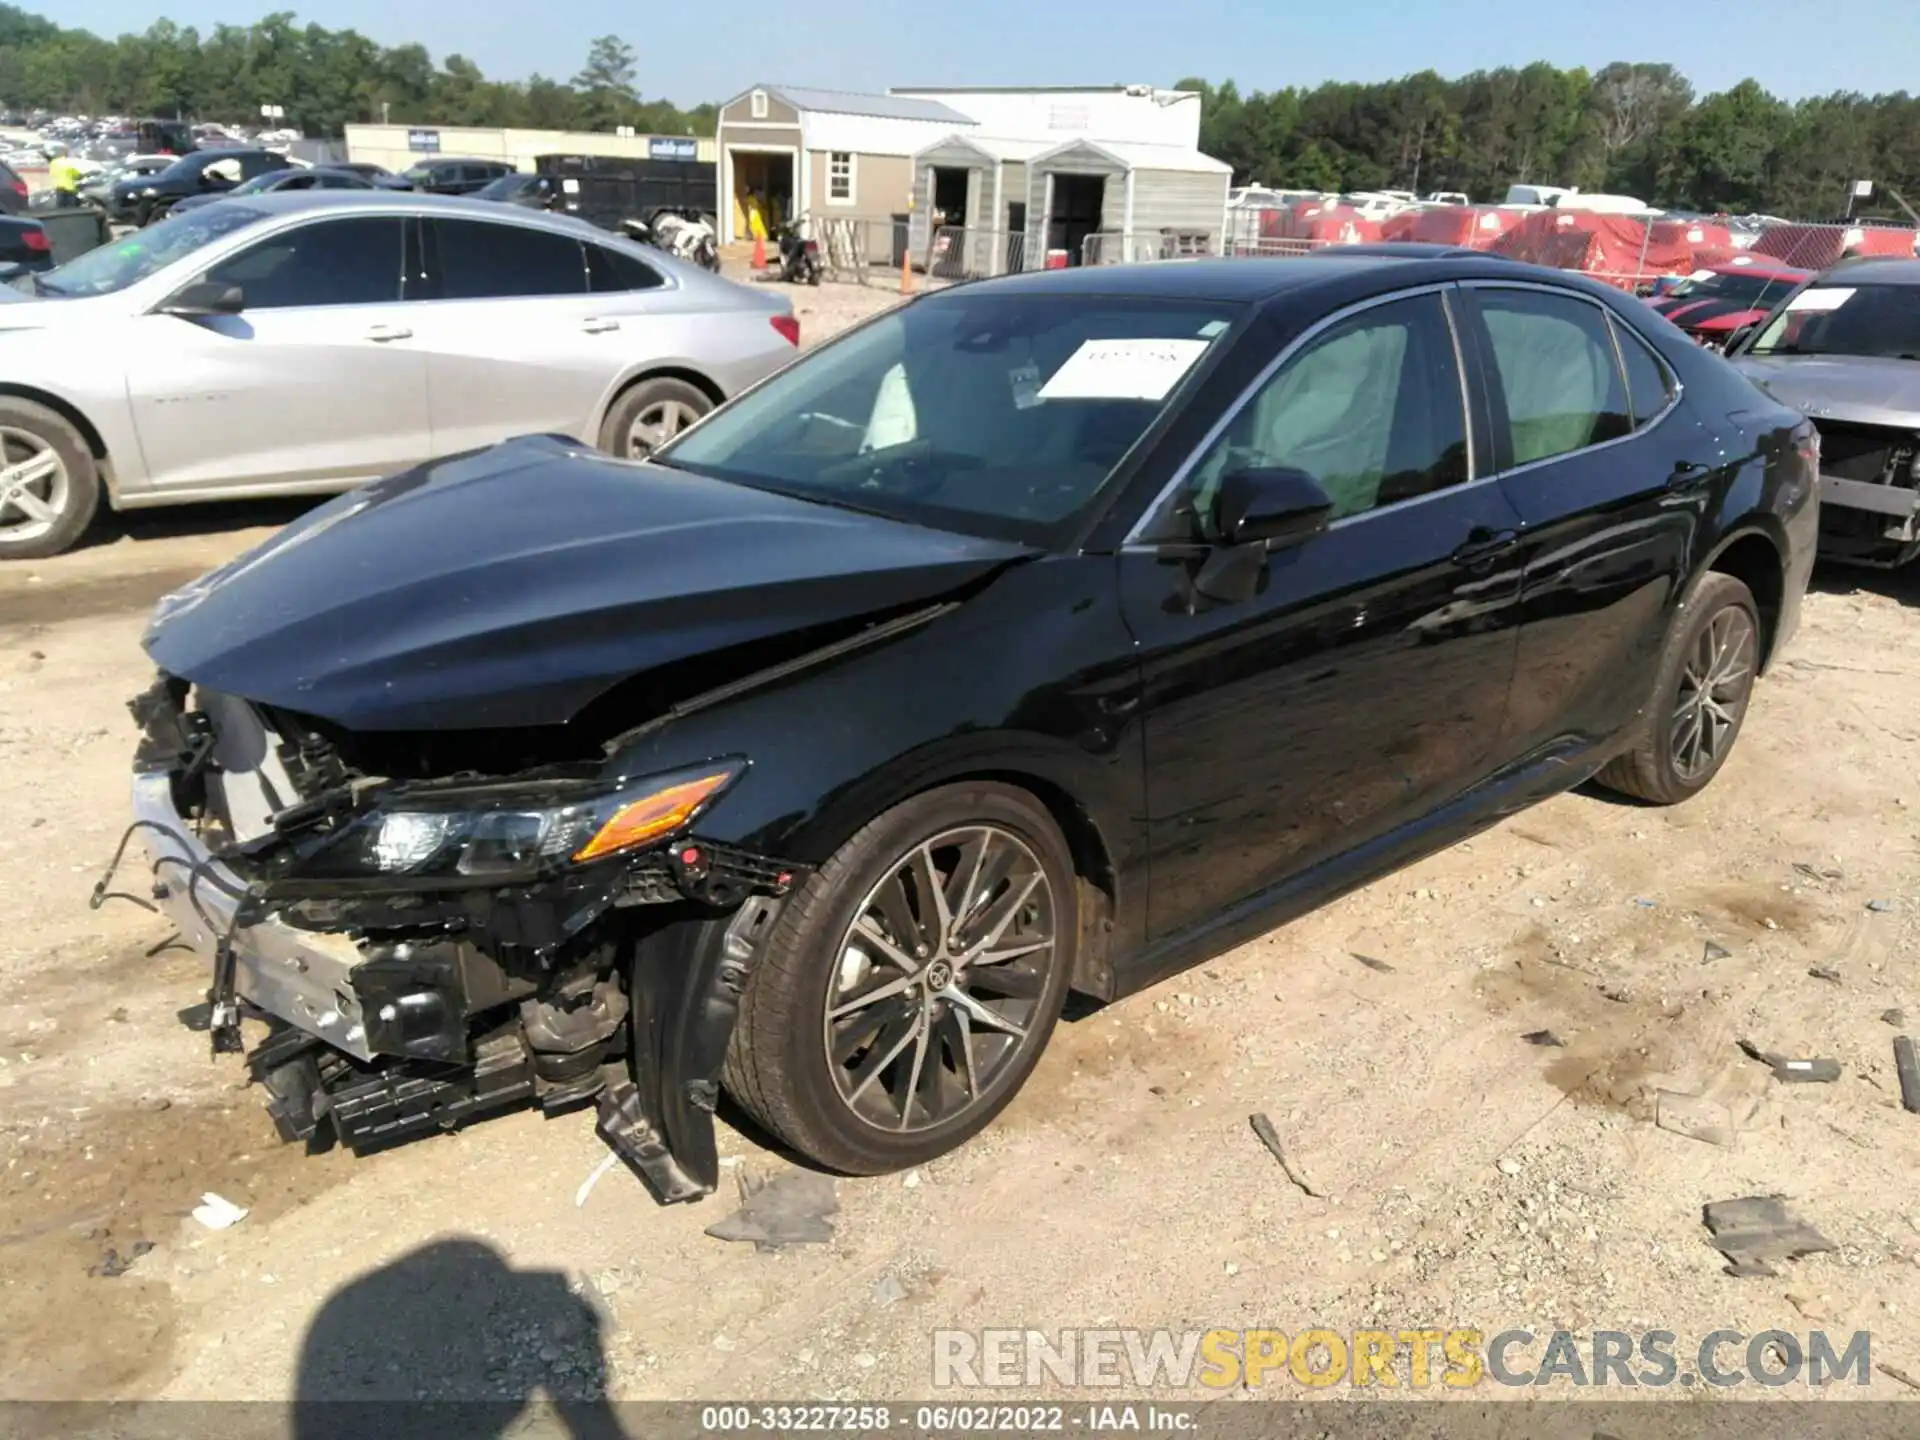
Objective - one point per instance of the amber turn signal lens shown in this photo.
(651, 816)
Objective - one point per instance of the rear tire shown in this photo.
(783, 1068)
(1700, 699)
(49, 482)
(649, 414)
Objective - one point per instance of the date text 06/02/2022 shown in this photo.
(947, 1419)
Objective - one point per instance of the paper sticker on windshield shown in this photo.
(570, 186)
(1123, 370)
(1824, 298)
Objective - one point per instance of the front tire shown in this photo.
(912, 982)
(49, 483)
(1700, 699)
(649, 414)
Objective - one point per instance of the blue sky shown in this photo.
(693, 52)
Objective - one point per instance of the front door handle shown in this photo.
(598, 326)
(1483, 546)
(1688, 476)
(381, 334)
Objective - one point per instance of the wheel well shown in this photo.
(669, 372)
(1754, 560)
(1092, 864)
(60, 407)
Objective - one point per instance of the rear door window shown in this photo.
(1557, 369)
(483, 261)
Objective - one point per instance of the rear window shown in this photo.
(615, 270)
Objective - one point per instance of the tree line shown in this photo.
(323, 78)
(1634, 129)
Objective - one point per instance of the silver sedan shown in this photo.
(293, 344)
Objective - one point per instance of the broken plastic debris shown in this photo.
(1373, 964)
(1822, 972)
(1693, 1116)
(1757, 1230)
(790, 1209)
(1269, 1137)
(1879, 907)
(1715, 951)
(586, 1185)
(1544, 1037)
(217, 1213)
(1791, 1070)
(1908, 1069)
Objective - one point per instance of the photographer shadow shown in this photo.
(452, 1340)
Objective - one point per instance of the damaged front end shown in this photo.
(425, 950)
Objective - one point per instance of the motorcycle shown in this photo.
(799, 259)
(684, 237)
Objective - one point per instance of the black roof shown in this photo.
(1255, 279)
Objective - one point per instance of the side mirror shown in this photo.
(1273, 506)
(203, 298)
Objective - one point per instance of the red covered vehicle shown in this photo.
(1713, 302)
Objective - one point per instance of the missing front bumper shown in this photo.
(387, 1042)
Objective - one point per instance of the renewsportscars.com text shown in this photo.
(1414, 1359)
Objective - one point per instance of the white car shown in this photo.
(301, 343)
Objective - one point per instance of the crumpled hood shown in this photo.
(512, 585)
(1862, 389)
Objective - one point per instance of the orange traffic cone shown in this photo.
(759, 252)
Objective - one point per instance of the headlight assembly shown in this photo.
(512, 832)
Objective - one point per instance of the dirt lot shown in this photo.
(1472, 1177)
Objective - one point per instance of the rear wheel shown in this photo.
(649, 414)
(910, 986)
(1700, 700)
(49, 484)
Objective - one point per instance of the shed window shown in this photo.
(757, 104)
(840, 176)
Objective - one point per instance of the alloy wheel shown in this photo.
(1713, 693)
(34, 486)
(657, 424)
(939, 979)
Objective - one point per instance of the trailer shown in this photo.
(607, 190)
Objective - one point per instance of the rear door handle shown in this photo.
(598, 326)
(1484, 546)
(381, 334)
(1688, 476)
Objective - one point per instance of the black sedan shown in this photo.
(1051, 633)
(316, 177)
(145, 198)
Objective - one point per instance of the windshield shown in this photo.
(131, 260)
(995, 414)
(259, 183)
(1871, 320)
(505, 188)
(1757, 292)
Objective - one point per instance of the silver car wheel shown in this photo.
(656, 425)
(34, 488)
(939, 979)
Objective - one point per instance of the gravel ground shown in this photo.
(1467, 1176)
